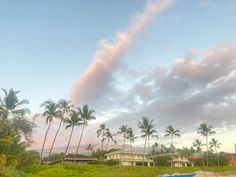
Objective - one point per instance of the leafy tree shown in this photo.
(110, 136)
(90, 147)
(198, 144)
(86, 115)
(71, 122)
(22, 126)
(12, 126)
(9, 104)
(130, 136)
(171, 131)
(205, 131)
(101, 132)
(216, 145)
(186, 152)
(147, 130)
(124, 129)
(64, 108)
(52, 110)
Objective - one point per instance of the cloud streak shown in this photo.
(96, 82)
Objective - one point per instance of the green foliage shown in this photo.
(98, 154)
(10, 172)
(111, 162)
(55, 156)
(78, 170)
(223, 160)
(22, 126)
(162, 160)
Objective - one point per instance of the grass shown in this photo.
(76, 170)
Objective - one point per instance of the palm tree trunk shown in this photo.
(203, 164)
(54, 141)
(144, 150)
(46, 134)
(150, 151)
(172, 151)
(217, 157)
(207, 151)
(107, 143)
(101, 154)
(68, 143)
(131, 151)
(122, 150)
(77, 150)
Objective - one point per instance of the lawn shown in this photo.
(73, 170)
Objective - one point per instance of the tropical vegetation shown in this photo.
(17, 126)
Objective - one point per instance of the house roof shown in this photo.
(124, 152)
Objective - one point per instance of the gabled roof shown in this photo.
(124, 152)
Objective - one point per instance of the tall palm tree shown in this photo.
(90, 147)
(64, 108)
(147, 130)
(86, 115)
(198, 144)
(109, 136)
(51, 111)
(123, 130)
(71, 122)
(205, 131)
(101, 132)
(171, 131)
(10, 104)
(130, 136)
(216, 145)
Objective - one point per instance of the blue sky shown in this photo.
(46, 46)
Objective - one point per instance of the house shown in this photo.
(181, 161)
(127, 158)
(232, 158)
(177, 159)
(81, 159)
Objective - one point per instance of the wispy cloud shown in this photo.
(96, 82)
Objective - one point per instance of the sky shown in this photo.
(173, 61)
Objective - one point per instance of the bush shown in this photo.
(111, 162)
(212, 160)
(10, 172)
(162, 161)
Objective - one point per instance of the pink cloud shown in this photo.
(95, 82)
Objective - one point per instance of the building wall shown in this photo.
(232, 159)
(118, 156)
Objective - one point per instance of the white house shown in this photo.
(128, 158)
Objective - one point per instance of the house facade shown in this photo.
(128, 158)
(181, 161)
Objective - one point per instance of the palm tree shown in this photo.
(198, 144)
(51, 111)
(64, 108)
(109, 137)
(170, 131)
(130, 136)
(123, 130)
(86, 115)
(71, 122)
(205, 131)
(10, 104)
(147, 130)
(101, 132)
(90, 147)
(216, 145)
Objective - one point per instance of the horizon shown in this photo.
(172, 61)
